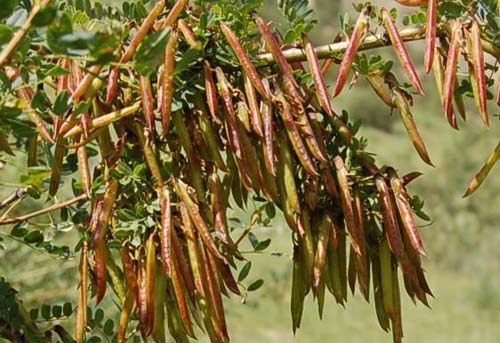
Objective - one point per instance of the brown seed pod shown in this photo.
(147, 102)
(483, 172)
(253, 106)
(359, 31)
(401, 51)
(211, 93)
(430, 35)
(346, 201)
(81, 315)
(242, 56)
(405, 212)
(130, 270)
(168, 83)
(450, 72)
(188, 34)
(166, 230)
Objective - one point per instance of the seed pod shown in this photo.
(112, 87)
(319, 80)
(129, 269)
(83, 167)
(142, 31)
(478, 76)
(306, 244)
(166, 231)
(104, 120)
(352, 270)
(143, 295)
(127, 308)
(211, 93)
(218, 206)
(158, 333)
(325, 228)
(311, 140)
(430, 35)
(253, 105)
(405, 211)
(173, 14)
(357, 36)
(397, 323)
(147, 102)
(382, 317)
(297, 293)
(386, 278)
(150, 156)
(81, 314)
(85, 84)
(362, 259)
(390, 222)
(273, 46)
(293, 134)
(243, 115)
(377, 84)
(179, 286)
(483, 172)
(346, 201)
(230, 113)
(168, 83)
(450, 72)
(188, 34)
(55, 176)
(194, 213)
(335, 269)
(406, 179)
(403, 106)
(150, 280)
(242, 56)
(287, 166)
(214, 295)
(401, 51)
(267, 118)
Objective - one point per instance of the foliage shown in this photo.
(160, 192)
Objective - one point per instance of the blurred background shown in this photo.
(462, 242)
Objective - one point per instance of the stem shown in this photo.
(44, 210)
(21, 33)
(409, 34)
(19, 193)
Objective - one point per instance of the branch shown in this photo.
(374, 41)
(44, 210)
(18, 194)
(21, 33)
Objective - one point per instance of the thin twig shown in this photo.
(409, 34)
(44, 210)
(249, 227)
(21, 33)
(18, 194)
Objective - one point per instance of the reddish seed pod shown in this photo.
(268, 146)
(319, 81)
(253, 106)
(130, 271)
(147, 102)
(188, 34)
(401, 51)
(168, 83)
(173, 14)
(242, 56)
(358, 33)
(346, 202)
(450, 72)
(166, 231)
(211, 93)
(479, 72)
(430, 35)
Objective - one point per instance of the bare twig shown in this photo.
(18, 194)
(44, 210)
(409, 34)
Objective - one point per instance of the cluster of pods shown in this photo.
(246, 130)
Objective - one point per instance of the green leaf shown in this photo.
(99, 316)
(270, 210)
(18, 231)
(262, 245)
(57, 311)
(45, 311)
(149, 54)
(62, 105)
(108, 327)
(34, 313)
(255, 285)
(7, 7)
(253, 239)
(45, 16)
(244, 271)
(34, 236)
(67, 309)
